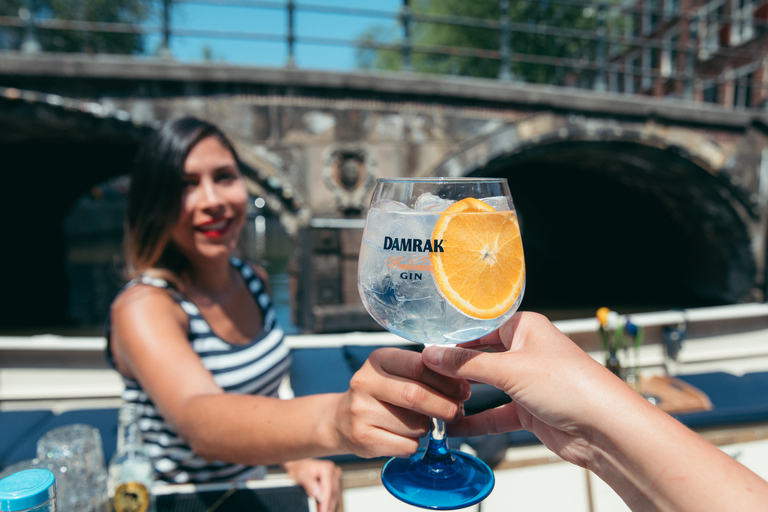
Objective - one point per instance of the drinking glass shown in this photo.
(20, 466)
(441, 263)
(75, 455)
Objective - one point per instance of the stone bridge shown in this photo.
(624, 201)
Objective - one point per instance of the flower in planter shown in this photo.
(611, 337)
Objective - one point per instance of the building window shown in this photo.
(634, 26)
(742, 91)
(632, 84)
(712, 27)
(616, 81)
(671, 8)
(651, 15)
(646, 71)
(742, 21)
(671, 53)
(709, 91)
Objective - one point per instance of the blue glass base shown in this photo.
(448, 481)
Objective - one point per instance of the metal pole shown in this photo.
(30, 44)
(290, 62)
(599, 84)
(405, 17)
(165, 46)
(505, 73)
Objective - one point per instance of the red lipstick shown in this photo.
(215, 228)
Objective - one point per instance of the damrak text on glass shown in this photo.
(412, 244)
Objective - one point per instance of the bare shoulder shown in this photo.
(144, 318)
(144, 301)
(150, 343)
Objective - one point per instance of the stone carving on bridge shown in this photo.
(350, 173)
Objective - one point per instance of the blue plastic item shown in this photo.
(28, 490)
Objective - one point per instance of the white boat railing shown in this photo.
(57, 368)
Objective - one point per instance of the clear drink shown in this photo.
(441, 262)
(396, 279)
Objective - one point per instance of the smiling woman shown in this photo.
(213, 203)
(182, 159)
(196, 339)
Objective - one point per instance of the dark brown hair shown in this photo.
(154, 199)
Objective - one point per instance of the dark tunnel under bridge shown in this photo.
(626, 225)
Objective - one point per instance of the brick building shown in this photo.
(709, 51)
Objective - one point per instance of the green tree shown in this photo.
(542, 34)
(131, 12)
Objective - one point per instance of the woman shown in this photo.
(195, 338)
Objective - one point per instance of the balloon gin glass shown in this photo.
(441, 263)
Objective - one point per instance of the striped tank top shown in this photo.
(255, 368)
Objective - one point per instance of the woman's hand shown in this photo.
(321, 479)
(558, 391)
(390, 402)
(588, 416)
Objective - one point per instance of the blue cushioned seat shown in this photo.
(735, 399)
(21, 429)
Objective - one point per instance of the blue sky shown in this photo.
(250, 19)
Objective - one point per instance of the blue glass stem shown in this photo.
(437, 451)
(438, 478)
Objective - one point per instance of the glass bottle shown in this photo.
(131, 473)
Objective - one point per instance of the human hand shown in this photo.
(321, 479)
(390, 402)
(558, 391)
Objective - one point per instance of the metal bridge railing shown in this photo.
(601, 44)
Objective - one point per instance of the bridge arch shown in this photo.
(531, 134)
(598, 198)
(66, 162)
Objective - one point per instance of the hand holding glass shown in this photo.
(441, 262)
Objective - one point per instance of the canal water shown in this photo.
(265, 242)
(279, 279)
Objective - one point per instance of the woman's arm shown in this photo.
(589, 417)
(385, 411)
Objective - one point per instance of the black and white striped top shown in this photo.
(255, 368)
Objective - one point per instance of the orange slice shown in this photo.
(482, 269)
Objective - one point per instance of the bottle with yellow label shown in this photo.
(130, 470)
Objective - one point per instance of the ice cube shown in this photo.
(388, 205)
(429, 202)
(378, 224)
(499, 203)
(412, 285)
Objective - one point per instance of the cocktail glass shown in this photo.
(441, 263)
